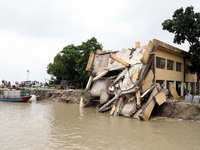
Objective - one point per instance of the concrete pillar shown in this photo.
(165, 84)
(174, 83)
(182, 89)
(188, 87)
(137, 44)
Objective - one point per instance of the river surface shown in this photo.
(46, 125)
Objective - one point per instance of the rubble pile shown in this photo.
(123, 82)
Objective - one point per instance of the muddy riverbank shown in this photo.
(170, 109)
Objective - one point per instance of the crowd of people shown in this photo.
(23, 84)
(6, 83)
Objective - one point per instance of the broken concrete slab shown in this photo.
(128, 56)
(116, 112)
(160, 98)
(145, 114)
(97, 87)
(128, 108)
(100, 64)
(148, 50)
(148, 82)
(104, 96)
(90, 62)
(173, 91)
(130, 78)
(119, 60)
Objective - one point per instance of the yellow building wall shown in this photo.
(177, 55)
(190, 77)
(164, 74)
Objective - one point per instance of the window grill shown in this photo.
(160, 63)
(170, 65)
(178, 66)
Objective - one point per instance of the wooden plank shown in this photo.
(147, 52)
(135, 75)
(90, 62)
(149, 106)
(112, 110)
(81, 103)
(148, 81)
(173, 91)
(147, 91)
(89, 83)
(100, 75)
(100, 52)
(109, 102)
(137, 44)
(118, 107)
(119, 60)
(154, 65)
(138, 98)
(130, 99)
(160, 98)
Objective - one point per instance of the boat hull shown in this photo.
(15, 99)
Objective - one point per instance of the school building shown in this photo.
(172, 66)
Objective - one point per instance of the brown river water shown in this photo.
(46, 125)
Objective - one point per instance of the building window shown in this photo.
(178, 66)
(170, 64)
(168, 84)
(160, 63)
(161, 82)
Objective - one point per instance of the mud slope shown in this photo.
(182, 110)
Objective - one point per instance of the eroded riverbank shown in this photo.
(177, 110)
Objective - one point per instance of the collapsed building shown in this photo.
(125, 82)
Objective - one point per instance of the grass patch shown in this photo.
(151, 117)
(194, 104)
(195, 114)
(55, 86)
(180, 100)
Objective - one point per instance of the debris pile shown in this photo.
(123, 82)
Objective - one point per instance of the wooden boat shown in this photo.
(14, 96)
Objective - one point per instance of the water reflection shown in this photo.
(50, 125)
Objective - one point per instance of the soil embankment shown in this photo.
(178, 110)
(65, 96)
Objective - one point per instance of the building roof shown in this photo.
(169, 48)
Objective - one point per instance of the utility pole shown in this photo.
(28, 74)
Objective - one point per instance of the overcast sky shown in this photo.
(32, 32)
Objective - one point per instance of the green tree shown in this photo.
(71, 62)
(186, 27)
(56, 67)
(85, 49)
(70, 55)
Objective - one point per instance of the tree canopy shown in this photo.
(186, 27)
(70, 63)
